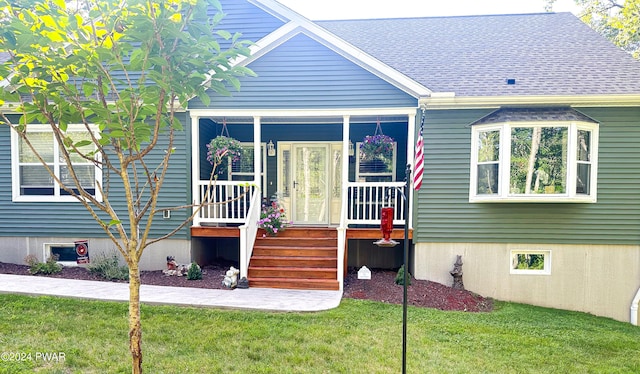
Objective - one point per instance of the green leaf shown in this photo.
(116, 134)
(204, 97)
(136, 59)
(83, 143)
(177, 124)
(10, 38)
(88, 89)
(224, 34)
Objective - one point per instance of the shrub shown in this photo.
(108, 267)
(194, 272)
(50, 267)
(400, 277)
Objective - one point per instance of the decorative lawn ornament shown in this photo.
(231, 278)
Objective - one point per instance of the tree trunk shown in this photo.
(135, 327)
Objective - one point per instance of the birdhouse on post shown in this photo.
(386, 226)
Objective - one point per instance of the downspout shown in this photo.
(196, 197)
(634, 309)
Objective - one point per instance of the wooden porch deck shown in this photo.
(302, 257)
(352, 233)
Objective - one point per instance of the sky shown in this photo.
(354, 9)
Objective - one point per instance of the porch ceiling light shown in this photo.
(271, 149)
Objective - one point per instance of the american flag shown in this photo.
(419, 159)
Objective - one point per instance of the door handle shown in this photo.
(295, 185)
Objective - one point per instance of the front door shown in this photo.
(310, 183)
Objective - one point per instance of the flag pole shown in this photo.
(406, 267)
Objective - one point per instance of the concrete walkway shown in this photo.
(253, 298)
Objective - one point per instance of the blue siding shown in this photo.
(70, 219)
(303, 74)
(241, 17)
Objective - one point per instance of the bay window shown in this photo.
(531, 161)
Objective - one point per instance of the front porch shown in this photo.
(237, 218)
(298, 157)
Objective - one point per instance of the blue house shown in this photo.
(530, 126)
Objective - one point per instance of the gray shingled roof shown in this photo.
(547, 54)
(533, 114)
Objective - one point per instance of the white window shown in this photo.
(530, 262)
(530, 162)
(242, 167)
(31, 180)
(381, 168)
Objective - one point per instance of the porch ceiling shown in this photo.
(308, 119)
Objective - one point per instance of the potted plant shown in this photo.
(220, 149)
(377, 146)
(272, 217)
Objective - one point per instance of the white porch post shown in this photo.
(195, 165)
(411, 151)
(257, 154)
(345, 150)
(342, 229)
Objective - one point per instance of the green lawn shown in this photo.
(357, 337)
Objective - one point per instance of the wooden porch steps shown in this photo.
(298, 258)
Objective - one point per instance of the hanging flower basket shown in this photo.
(220, 148)
(376, 147)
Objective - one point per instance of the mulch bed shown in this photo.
(381, 287)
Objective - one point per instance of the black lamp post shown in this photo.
(392, 243)
(405, 194)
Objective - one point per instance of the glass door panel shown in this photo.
(310, 184)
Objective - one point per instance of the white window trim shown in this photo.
(504, 163)
(15, 168)
(263, 157)
(391, 174)
(547, 262)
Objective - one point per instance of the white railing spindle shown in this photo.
(366, 199)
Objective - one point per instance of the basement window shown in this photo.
(66, 253)
(534, 262)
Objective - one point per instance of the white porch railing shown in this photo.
(248, 233)
(361, 204)
(226, 202)
(364, 201)
(237, 202)
(342, 241)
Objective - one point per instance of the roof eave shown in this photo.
(299, 24)
(480, 102)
